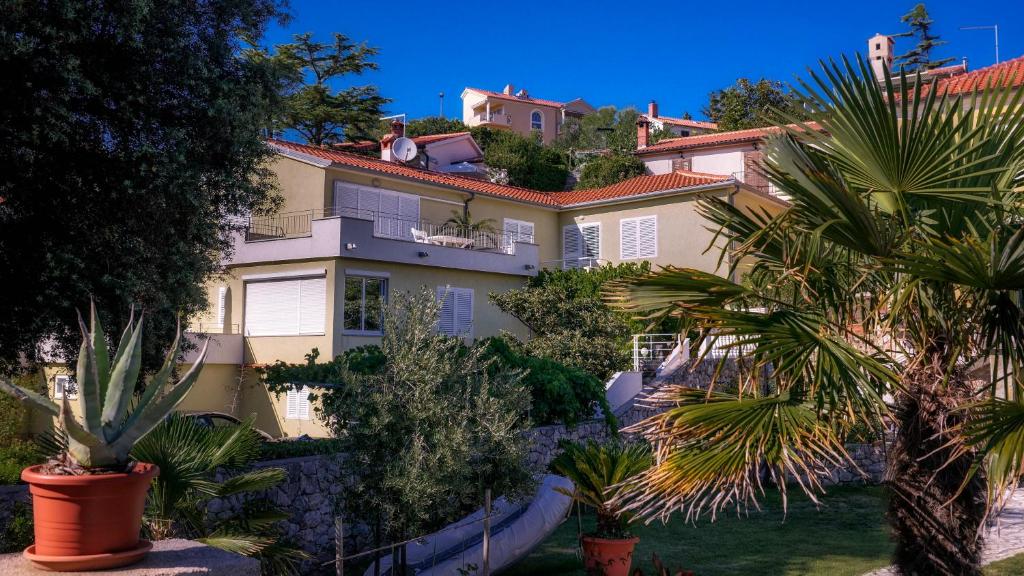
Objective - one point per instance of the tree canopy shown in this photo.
(431, 125)
(920, 56)
(521, 160)
(604, 170)
(131, 142)
(889, 289)
(321, 114)
(750, 104)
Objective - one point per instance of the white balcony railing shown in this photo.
(493, 118)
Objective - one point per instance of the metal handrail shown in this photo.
(391, 226)
(761, 183)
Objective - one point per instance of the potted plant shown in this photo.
(88, 501)
(598, 470)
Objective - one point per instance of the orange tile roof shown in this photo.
(393, 168)
(421, 140)
(714, 139)
(1008, 74)
(689, 123)
(637, 186)
(513, 98)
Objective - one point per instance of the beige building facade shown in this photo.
(519, 112)
(353, 231)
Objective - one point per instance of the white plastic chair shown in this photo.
(419, 236)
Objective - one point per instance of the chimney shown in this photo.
(652, 109)
(880, 54)
(509, 89)
(397, 131)
(643, 132)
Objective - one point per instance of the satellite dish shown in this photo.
(403, 149)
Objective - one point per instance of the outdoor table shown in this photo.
(445, 240)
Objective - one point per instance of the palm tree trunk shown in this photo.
(937, 530)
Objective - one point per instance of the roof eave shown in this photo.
(648, 195)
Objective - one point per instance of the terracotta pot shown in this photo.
(607, 556)
(90, 515)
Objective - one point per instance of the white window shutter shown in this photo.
(346, 200)
(312, 305)
(464, 311)
(58, 386)
(446, 317)
(291, 411)
(572, 240)
(272, 308)
(409, 213)
(303, 405)
(369, 203)
(591, 245)
(286, 307)
(647, 237)
(628, 239)
(526, 232)
(222, 294)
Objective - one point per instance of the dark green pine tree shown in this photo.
(919, 57)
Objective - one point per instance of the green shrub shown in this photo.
(297, 448)
(607, 170)
(14, 456)
(561, 394)
(18, 533)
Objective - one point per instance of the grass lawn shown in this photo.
(1012, 566)
(846, 536)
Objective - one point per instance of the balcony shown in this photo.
(760, 183)
(382, 237)
(225, 343)
(493, 120)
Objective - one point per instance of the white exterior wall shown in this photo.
(723, 162)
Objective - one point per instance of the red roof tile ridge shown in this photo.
(513, 97)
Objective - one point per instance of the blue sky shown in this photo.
(625, 53)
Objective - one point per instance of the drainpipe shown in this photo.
(465, 206)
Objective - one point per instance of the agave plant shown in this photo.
(108, 428)
(884, 290)
(598, 470)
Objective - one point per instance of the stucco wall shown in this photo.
(682, 236)
(519, 111)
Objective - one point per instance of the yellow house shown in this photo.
(354, 230)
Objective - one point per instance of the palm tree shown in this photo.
(890, 288)
(463, 221)
(189, 455)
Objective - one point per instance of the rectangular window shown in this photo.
(581, 245)
(286, 307)
(638, 237)
(297, 405)
(456, 317)
(63, 384)
(517, 231)
(365, 297)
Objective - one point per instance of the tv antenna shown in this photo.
(994, 28)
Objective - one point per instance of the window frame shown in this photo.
(622, 244)
(65, 378)
(537, 111)
(384, 286)
(301, 396)
(453, 291)
(285, 277)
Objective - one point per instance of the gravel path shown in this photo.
(1005, 536)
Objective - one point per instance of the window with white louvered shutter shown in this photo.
(297, 405)
(627, 239)
(222, 294)
(286, 307)
(456, 314)
(638, 237)
(517, 231)
(346, 200)
(647, 236)
(571, 243)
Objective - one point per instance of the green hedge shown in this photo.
(296, 448)
(561, 394)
